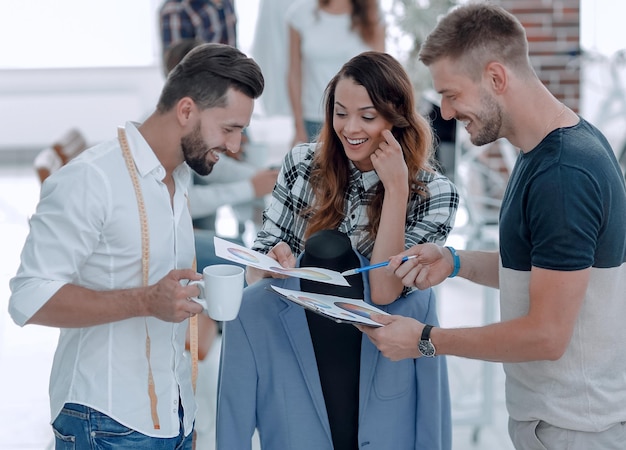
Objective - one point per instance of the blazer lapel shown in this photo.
(369, 356)
(296, 327)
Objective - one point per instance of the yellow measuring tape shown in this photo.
(145, 266)
(193, 342)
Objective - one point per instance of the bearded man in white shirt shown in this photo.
(109, 252)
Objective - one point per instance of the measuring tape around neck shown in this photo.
(145, 267)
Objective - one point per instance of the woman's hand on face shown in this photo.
(388, 161)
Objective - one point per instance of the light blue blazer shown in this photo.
(269, 381)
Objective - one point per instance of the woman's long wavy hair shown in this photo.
(391, 93)
(365, 16)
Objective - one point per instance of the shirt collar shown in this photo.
(145, 159)
(143, 155)
(367, 179)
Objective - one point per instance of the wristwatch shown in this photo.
(425, 346)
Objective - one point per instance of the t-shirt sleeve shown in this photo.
(298, 13)
(565, 219)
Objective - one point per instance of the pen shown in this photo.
(373, 266)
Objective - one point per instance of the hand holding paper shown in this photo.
(338, 309)
(243, 255)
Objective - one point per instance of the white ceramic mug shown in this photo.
(221, 289)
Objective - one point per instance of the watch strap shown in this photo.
(426, 333)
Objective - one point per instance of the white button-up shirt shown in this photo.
(86, 231)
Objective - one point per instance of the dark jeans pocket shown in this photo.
(80, 427)
(63, 442)
(66, 427)
(108, 433)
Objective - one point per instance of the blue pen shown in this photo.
(373, 266)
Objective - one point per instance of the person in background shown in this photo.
(306, 382)
(561, 264)
(323, 35)
(201, 20)
(270, 49)
(110, 250)
(52, 158)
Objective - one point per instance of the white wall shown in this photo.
(37, 106)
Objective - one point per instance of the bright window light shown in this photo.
(37, 34)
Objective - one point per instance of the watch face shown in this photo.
(426, 348)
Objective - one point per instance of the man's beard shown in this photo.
(195, 152)
(491, 118)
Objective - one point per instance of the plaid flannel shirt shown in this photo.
(429, 219)
(204, 20)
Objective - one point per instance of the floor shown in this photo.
(479, 413)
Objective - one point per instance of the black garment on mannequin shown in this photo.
(337, 345)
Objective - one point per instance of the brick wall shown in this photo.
(553, 30)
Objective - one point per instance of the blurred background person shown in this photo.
(323, 35)
(270, 50)
(202, 20)
(52, 158)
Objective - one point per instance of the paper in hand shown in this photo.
(335, 308)
(248, 257)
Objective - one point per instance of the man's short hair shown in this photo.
(207, 72)
(473, 34)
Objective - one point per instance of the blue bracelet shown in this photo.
(457, 263)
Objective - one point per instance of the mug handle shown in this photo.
(200, 300)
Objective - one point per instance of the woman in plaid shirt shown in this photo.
(303, 381)
(370, 175)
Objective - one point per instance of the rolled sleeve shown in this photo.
(30, 295)
(62, 235)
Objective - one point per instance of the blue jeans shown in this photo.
(80, 427)
(312, 129)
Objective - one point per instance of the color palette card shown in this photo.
(339, 309)
(243, 255)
